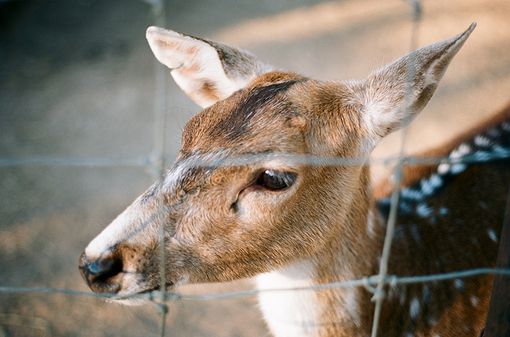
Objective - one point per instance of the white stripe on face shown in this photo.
(137, 218)
(180, 169)
(126, 226)
(142, 217)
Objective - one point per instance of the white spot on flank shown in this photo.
(482, 141)
(409, 193)
(458, 283)
(464, 149)
(460, 151)
(458, 168)
(426, 187)
(436, 181)
(492, 234)
(423, 210)
(443, 168)
(443, 211)
(474, 300)
(414, 308)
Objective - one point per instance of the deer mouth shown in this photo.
(155, 291)
(169, 286)
(141, 297)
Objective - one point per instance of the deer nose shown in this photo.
(102, 274)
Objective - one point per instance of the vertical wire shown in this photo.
(160, 103)
(390, 228)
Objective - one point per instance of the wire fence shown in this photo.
(155, 163)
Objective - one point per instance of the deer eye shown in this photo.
(275, 180)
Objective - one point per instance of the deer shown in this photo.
(292, 224)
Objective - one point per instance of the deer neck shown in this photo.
(332, 312)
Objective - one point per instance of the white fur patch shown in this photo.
(192, 63)
(379, 113)
(424, 210)
(458, 168)
(411, 194)
(175, 174)
(125, 226)
(289, 313)
(492, 234)
(443, 168)
(370, 224)
(462, 150)
(458, 283)
(195, 63)
(482, 141)
(414, 308)
(351, 307)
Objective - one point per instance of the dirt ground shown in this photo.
(77, 81)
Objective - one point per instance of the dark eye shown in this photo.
(275, 180)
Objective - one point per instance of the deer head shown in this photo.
(224, 222)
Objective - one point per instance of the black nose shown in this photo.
(102, 274)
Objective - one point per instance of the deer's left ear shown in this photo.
(207, 71)
(392, 96)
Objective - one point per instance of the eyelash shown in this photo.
(275, 180)
(271, 180)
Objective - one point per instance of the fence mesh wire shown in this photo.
(155, 164)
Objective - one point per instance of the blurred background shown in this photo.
(77, 84)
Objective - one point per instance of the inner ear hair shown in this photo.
(206, 71)
(393, 95)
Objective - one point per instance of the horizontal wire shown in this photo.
(392, 280)
(236, 160)
(75, 161)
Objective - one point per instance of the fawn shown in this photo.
(293, 224)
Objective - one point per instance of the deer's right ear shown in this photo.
(395, 94)
(207, 71)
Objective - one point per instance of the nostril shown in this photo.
(100, 273)
(103, 269)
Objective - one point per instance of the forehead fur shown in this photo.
(263, 109)
(334, 117)
(279, 112)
